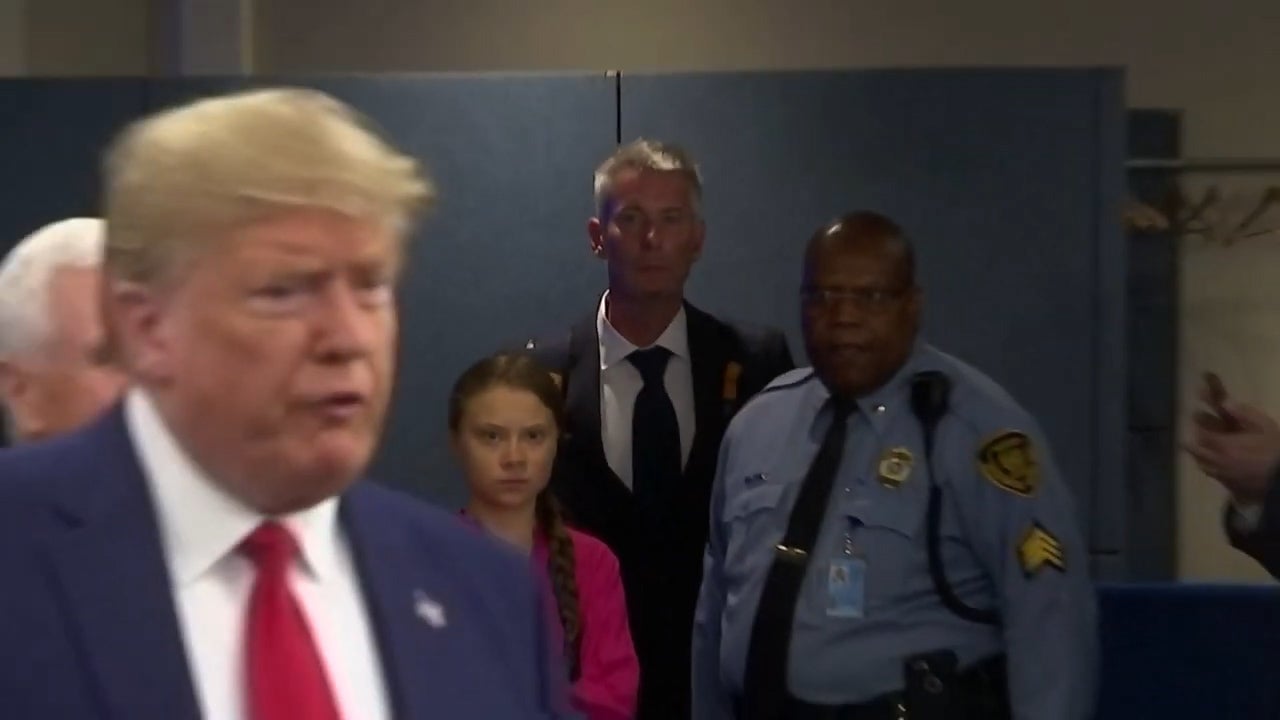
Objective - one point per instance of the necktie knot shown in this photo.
(842, 407)
(285, 675)
(271, 545)
(651, 363)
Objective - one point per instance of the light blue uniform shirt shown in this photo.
(1009, 541)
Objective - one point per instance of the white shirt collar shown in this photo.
(614, 348)
(200, 523)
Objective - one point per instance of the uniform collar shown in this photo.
(888, 401)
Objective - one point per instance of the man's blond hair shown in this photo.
(642, 154)
(179, 179)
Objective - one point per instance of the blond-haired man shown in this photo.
(651, 383)
(54, 374)
(205, 550)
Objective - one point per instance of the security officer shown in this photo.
(889, 536)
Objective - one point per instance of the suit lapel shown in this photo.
(583, 393)
(401, 590)
(116, 585)
(709, 354)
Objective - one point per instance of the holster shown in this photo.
(935, 689)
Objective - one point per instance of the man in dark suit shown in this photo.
(205, 549)
(651, 383)
(1239, 446)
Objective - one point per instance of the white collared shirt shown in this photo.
(200, 527)
(620, 383)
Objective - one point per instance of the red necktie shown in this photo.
(285, 674)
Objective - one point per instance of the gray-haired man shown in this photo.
(54, 373)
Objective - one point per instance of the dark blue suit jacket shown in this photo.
(1263, 542)
(88, 625)
(660, 554)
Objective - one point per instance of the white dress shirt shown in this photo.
(620, 382)
(201, 527)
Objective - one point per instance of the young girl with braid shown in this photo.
(505, 417)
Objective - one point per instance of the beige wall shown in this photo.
(13, 53)
(1213, 60)
(1209, 58)
(1230, 324)
(87, 37)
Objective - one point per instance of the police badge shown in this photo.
(895, 466)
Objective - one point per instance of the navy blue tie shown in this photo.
(765, 676)
(656, 459)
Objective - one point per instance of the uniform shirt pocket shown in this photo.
(887, 532)
(754, 523)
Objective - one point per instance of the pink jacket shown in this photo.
(609, 680)
(610, 673)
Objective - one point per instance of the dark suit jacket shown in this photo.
(1263, 543)
(660, 557)
(90, 630)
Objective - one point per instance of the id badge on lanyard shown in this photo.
(846, 579)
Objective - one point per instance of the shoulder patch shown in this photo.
(1038, 549)
(1008, 459)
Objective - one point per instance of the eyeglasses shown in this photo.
(863, 298)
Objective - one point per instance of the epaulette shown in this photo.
(789, 379)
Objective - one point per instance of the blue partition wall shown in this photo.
(1173, 651)
(1009, 181)
(52, 134)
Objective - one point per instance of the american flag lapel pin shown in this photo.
(429, 610)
